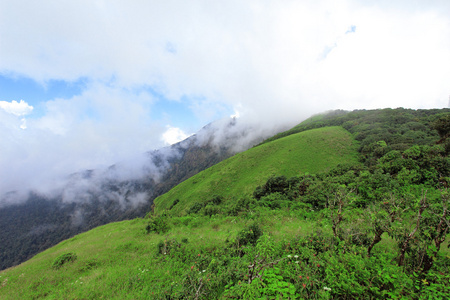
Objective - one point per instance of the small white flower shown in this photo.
(326, 288)
(204, 271)
(297, 262)
(296, 256)
(289, 256)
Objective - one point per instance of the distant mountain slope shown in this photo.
(292, 251)
(96, 197)
(310, 151)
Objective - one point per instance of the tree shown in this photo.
(442, 126)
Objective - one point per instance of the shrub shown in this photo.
(279, 184)
(195, 208)
(167, 247)
(158, 225)
(249, 235)
(175, 202)
(216, 200)
(63, 259)
(211, 210)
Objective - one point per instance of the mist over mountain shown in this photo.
(33, 220)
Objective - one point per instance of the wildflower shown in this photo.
(199, 254)
(326, 288)
(204, 271)
(296, 256)
(289, 256)
(318, 265)
(300, 276)
(304, 285)
(307, 277)
(297, 262)
(192, 267)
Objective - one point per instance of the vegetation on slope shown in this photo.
(237, 177)
(373, 229)
(39, 223)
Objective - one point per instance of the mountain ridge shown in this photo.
(96, 197)
(327, 233)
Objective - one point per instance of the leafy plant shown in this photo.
(249, 235)
(157, 224)
(63, 259)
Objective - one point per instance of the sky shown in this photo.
(87, 83)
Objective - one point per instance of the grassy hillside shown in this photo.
(337, 229)
(121, 261)
(310, 151)
(113, 259)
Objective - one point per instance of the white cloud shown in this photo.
(16, 108)
(173, 135)
(100, 127)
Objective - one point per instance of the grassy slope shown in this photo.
(310, 151)
(114, 260)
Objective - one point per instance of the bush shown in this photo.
(195, 208)
(158, 225)
(249, 235)
(216, 200)
(211, 210)
(63, 259)
(279, 184)
(175, 202)
(167, 247)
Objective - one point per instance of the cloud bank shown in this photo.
(271, 62)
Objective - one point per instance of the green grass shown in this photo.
(114, 260)
(310, 151)
(121, 261)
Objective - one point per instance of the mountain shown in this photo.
(310, 151)
(345, 205)
(95, 197)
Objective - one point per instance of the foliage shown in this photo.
(373, 229)
(157, 224)
(238, 176)
(63, 259)
(249, 235)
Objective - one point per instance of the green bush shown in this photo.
(175, 202)
(63, 259)
(249, 235)
(158, 225)
(195, 208)
(167, 247)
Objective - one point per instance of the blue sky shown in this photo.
(35, 93)
(84, 84)
(174, 112)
